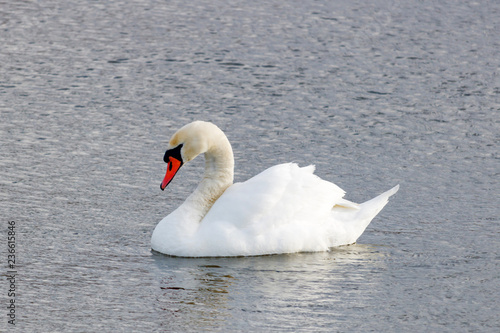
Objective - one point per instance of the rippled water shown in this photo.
(374, 93)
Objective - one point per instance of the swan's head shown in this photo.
(187, 143)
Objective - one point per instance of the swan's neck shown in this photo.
(219, 172)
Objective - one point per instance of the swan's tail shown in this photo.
(382, 199)
(356, 219)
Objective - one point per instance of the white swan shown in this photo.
(284, 209)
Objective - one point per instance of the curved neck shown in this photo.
(219, 173)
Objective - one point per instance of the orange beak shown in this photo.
(172, 167)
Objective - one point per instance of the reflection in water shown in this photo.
(193, 293)
(200, 293)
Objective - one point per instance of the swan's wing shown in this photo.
(278, 196)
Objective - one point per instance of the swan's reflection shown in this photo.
(204, 293)
(194, 292)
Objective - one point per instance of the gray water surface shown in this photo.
(373, 93)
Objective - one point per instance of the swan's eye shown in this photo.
(173, 154)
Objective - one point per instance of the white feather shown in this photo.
(284, 209)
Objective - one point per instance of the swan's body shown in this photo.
(284, 209)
